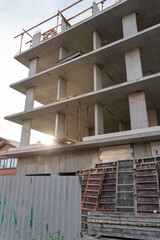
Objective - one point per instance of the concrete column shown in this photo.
(97, 77)
(62, 84)
(61, 93)
(129, 24)
(36, 39)
(30, 94)
(133, 65)
(62, 53)
(96, 9)
(132, 58)
(96, 41)
(33, 65)
(25, 134)
(62, 88)
(64, 26)
(99, 122)
(59, 125)
(26, 127)
(138, 110)
(152, 117)
(60, 118)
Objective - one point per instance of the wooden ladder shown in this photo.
(91, 194)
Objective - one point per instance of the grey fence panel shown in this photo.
(40, 208)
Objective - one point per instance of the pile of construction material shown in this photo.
(87, 237)
(124, 225)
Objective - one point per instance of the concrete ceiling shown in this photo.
(79, 71)
(114, 100)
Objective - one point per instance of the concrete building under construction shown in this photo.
(98, 82)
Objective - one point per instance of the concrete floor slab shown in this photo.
(114, 100)
(147, 15)
(79, 72)
(126, 137)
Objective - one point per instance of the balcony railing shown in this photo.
(58, 21)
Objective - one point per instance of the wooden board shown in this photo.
(145, 227)
(114, 153)
(65, 140)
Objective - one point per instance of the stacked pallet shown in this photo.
(123, 225)
(91, 194)
(107, 198)
(83, 174)
(121, 186)
(147, 188)
(65, 140)
(125, 186)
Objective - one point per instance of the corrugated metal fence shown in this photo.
(40, 208)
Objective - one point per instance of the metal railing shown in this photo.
(58, 19)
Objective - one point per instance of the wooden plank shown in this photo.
(115, 152)
(125, 216)
(65, 140)
(69, 57)
(141, 224)
(113, 148)
(65, 98)
(118, 156)
(124, 227)
(144, 226)
(125, 234)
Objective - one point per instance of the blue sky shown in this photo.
(15, 15)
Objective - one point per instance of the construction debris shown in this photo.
(65, 98)
(65, 140)
(124, 225)
(69, 57)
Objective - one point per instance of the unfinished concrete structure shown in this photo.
(99, 84)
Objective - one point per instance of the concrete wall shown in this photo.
(57, 163)
(73, 161)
